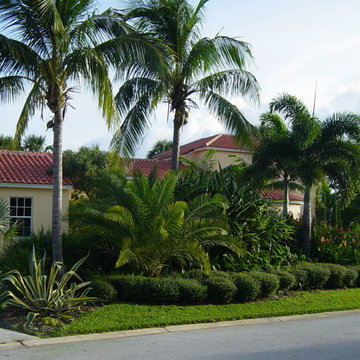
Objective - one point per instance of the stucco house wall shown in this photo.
(41, 203)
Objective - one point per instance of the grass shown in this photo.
(117, 317)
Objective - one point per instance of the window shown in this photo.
(21, 213)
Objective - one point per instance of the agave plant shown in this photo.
(51, 294)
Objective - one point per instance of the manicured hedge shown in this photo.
(103, 290)
(196, 286)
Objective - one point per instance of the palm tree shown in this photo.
(34, 143)
(160, 147)
(207, 68)
(151, 229)
(325, 149)
(6, 142)
(275, 157)
(7, 231)
(56, 43)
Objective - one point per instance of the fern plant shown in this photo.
(50, 295)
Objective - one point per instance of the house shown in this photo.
(227, 151)
(26, 184)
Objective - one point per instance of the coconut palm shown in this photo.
(325, 149)
(150, 228)
(160, 147)
(57, 44)
(208, 69)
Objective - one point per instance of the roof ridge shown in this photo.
(216, 137)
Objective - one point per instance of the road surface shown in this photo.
(319, 339)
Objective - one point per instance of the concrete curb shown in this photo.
(169, 329)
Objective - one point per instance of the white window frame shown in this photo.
(22, 217)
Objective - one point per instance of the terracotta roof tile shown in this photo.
(26, 167)
(145, 166)
(279, 195)
(221, 141)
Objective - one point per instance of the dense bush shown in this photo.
(287, 280)
(269, 283)
(340, 276)
(301, 277)
(198, 275)
(316, 275)
(161, 291)
(103, 290)
(128, 287)
(221, 290)
(247, 286)
(191, 291)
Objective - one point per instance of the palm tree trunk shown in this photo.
(286, 199)
(57, 188)
(307, 223)
(176, 145)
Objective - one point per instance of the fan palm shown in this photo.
(151, 229)
(207, 68)
(56, 43)
(323, 149)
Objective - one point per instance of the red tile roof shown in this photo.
(221, 141)
(26, 167)
(279, 195)
(145, 166)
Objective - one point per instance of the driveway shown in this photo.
(330, 338)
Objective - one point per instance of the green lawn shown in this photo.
(129, 316)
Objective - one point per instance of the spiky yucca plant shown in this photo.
(39, 293)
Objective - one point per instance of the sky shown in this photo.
(296, 45)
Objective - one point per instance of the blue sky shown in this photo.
(295, 45)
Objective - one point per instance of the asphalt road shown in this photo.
(325, 338)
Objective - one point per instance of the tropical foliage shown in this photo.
(210, 69)
(54, 45)
(48, 295)
(310, 150)
(151, 229)
(160, 147)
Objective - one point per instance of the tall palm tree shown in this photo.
(57, 44)
(209, 69)
(325, 149)
(160, 147)
(275, 156)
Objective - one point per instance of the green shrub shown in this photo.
(191, 291)
(317, 275)
(103, 290)
(198, 275)
(287, 279)
(301, 278)
(221, 290)
(161, 290)
(269, 283)
(340, 276)
(356, 268)
(128, 287)
(247, 286)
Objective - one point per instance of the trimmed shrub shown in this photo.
(301, 278)
(340, 276)
(191, 291)
(128, 287)
(161, 290)
(356, 268)
(317, 275)
(287, 279)
(103, 290)
(220, 290)
(247, 286)
(198, 275)
(269, 283)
